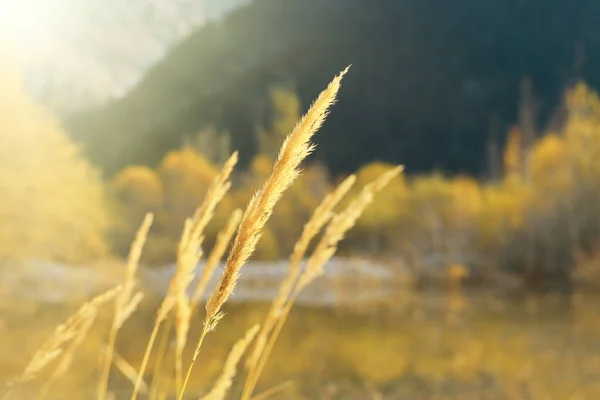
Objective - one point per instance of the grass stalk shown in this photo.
(319, 218)
(194, 357)
(63, 334)
(126, 302)
(270, 392)
(147, 352)
(295, 148)
(160, 356)
(225, 380)
(323, 252)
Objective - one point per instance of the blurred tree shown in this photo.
(136, 191)
(432, 204)
(285, 113)
(379, 224)
(52, 203)
(420, 92)
(528, 108)
(297, 205)
(550, 172)
(186, 176)
(513, 154)
(212, 144)
(467, 199)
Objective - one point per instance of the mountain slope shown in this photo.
(75, 53)
(426, 77)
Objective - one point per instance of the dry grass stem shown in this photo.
(192, 238)
(66, 358)
(188, 255)
(126, 302)
(270, 392)
(53, 347)
(149, 346)
(295, 148)
(216, 254)
(319, 218)
(225, 380)
(161, 354)
(128, 371)
(323, 252)
(182, 327)
(340, 224)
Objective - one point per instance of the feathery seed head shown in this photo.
(295, 148)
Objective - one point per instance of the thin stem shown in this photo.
(104, 377)
(162, 354)
(189, 371)
(8, 392)
(271, 391)
(165, 391)
(44, 391)
(178, 372)
(140, 376)
(253, 377)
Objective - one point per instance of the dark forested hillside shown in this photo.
(427, 76)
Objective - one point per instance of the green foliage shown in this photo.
(421, 91)
(530, 221)
(533, 221)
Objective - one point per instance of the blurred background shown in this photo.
(474, 275)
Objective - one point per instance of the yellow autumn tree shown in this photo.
(467, 199)
(378, 227)
(503, 210)
(551, 172)
(513, 154)
(582, 134)
(213, 144)
(467, 202)
(549, 163)
(285, 111)
(52, 204)
(136, 190)
(185, 176)
(431, 207)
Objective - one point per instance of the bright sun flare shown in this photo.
(28, 21)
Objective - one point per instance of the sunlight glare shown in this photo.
(28, 22)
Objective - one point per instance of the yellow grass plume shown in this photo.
(216, 254)
(296, 147)
(340, 224)
(126, 302)
(188, 255)
(319, 218)
(66, 358)
(325, 249)
(65, 333)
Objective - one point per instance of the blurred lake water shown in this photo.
(404, 344)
